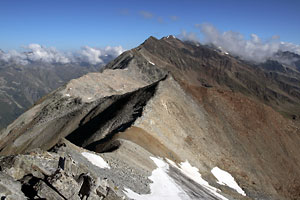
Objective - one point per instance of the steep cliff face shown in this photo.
(166, 119)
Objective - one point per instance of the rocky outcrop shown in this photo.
(10, 189)
(52, 175)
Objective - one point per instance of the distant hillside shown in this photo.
(21, 86)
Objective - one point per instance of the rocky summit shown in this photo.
(166, 120)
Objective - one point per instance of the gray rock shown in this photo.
(38, 163)
(46, 192)
(9, 188)
(64, 184)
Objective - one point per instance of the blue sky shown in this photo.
(70, 24)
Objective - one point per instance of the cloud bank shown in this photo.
(38, 53)
(254, 49)
(49, 55)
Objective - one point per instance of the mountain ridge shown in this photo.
(213, 68)
(176, 102)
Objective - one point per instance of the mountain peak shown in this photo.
(150, 39)
(169, 37)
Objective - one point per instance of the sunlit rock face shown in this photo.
(166, 120)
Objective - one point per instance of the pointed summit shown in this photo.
(151, 39)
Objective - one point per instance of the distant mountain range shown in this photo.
(22, 85)
(165, 120)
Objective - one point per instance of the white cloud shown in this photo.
(43, 54)
(188, 36)
(235, 43)
(90, 55)
(96, 55)
(38, 53)
(113, 51)
(14, 56)
(286, 46)
(254, 49)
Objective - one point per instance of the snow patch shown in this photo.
(225, 178)
(96, 160)
(68, 95)
(193, 173)
(163, 186)
(171, 36)
(151, 63)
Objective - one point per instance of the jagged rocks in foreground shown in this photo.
(166, 120)
(62, 173)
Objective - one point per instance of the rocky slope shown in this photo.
(166, 120)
